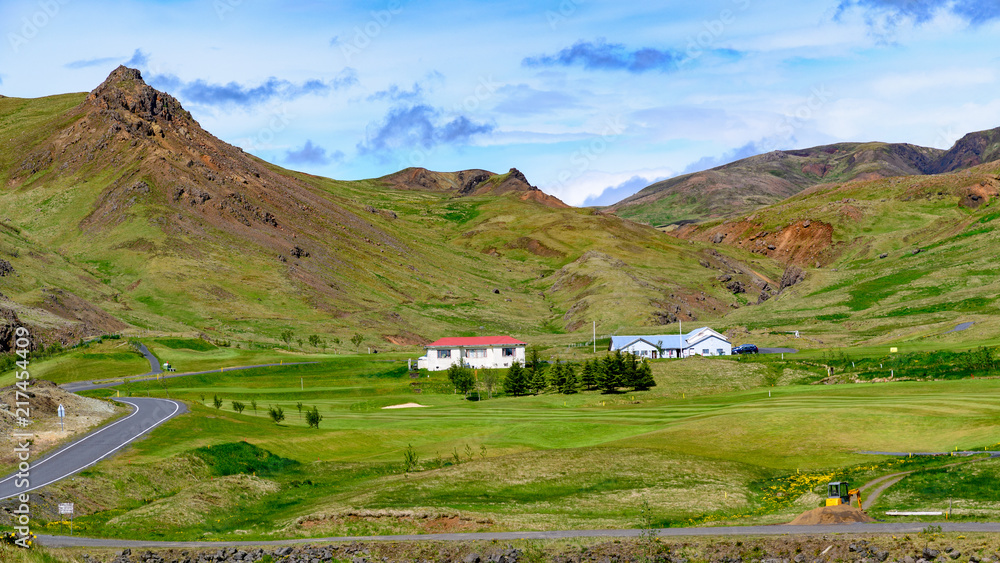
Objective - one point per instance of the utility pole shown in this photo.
(595, 337)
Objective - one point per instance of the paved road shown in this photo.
(877, 528)
(154, 364)
(78, 386)
(147, 414)
(777, 350)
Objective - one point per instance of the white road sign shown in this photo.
(62, 411)
(66, 508)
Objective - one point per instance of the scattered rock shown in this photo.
(724, 278)
(718, 237)
(771, 247)
(806, 223)
(6, 268)
(883, 255)
(736, 286)
(793, 275)
(930, 553)
(496, 291)
(299, 252)
(918, 251)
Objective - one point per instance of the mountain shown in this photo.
(471, 183)
(886, 259)
(122, 212)
(768, 178)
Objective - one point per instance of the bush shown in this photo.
(277, 414)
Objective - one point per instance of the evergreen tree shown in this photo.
(613, 367)
(630, 371)
(588, 374)
(516, 382)
(645, 380)
(569, 384)
(557, 375)
(538, 381)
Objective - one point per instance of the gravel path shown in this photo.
(876, 528)
(960, 328)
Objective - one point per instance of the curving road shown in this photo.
(146, 414)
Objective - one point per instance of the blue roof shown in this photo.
(666, 341)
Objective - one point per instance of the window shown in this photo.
(508, 352)
(705, 352)
(476, 353)
(719, 352)
(444, 353)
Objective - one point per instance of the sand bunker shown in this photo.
(406, 406)
(841, 514)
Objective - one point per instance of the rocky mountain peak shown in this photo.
(125, 90)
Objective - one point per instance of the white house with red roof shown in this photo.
(472, 351)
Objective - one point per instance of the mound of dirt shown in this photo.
(842, 514)
(44, 398)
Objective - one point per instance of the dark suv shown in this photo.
(746, 349)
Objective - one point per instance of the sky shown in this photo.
(592, 100)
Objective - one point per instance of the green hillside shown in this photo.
(123, 214)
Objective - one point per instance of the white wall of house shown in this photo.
(710, 345)
(476, 357)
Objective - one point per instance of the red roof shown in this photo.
(475, 341)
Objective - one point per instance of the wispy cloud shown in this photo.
(525, 100)
(138, 60)
(87, 63)
(313, 154)
(420, 126)
(614, 194)
(395, 93)
(601, 55)
(236, 94)
(739, 153)
(885, 15)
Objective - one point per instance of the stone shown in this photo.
(724, 278)
(718, 237)
(472, 558)
(930, 553)
(793, 275)
(736, 287)
(917, 251)
(805, 224)
(883, 255)
(6, 268)
(284, 551)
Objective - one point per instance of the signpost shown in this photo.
(67, 508)
(62, 415)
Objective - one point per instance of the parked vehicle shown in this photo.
(746, 349)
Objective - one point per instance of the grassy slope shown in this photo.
(540, 462)
(905, 299)
(155, 275)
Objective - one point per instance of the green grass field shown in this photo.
(712, 444)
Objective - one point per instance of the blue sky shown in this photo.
(592, 100)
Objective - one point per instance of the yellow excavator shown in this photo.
(840, 492)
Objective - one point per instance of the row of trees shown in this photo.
(609, 374)
(288, 336)
(277, 414)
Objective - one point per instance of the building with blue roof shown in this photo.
(699, 342)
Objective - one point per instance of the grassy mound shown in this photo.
(243, 457)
